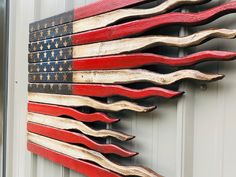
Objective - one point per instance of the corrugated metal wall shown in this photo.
(190, 137)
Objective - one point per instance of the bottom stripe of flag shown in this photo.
(80, 166)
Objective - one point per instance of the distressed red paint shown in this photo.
(140, 26)
(55, 110)
(79, 166)
(102, 6)
(99, 90)
(141, 59)
(77, 138)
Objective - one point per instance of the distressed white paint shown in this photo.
(192, 137)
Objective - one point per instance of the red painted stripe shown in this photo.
(140, 26)
(76, 138)
(142, 59)
(102, 6)
(98, 90)
(54, 110)
(79, 166)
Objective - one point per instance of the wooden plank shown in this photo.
(99, 90)
(106, 19)
(129, 45)
(127, 61)
(125, 76)
(89, 155)
(98, 7)
(68, 124)
(127, 29)
(78, 101)
(58, 111)
(77, 138)
(79, 166)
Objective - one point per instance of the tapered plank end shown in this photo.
(218, 77)
(149, 109)
(177, 95)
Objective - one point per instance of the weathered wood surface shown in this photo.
(100, 90)
(55, 110)
(127, 61)
(128, 45)
(89, 155)
(134, 44)
(98, 7)
(130, 76)
(68, 124)
(125, 29)
(124, 76)
(78, 101)
(106, 19)
(77, 138)
(79, 166)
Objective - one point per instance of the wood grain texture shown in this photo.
(126, 61)
(100, 90)
(106, 19)
(89, 155)
(131, 76)
(68, 124)
(98, 7)
(77, 101)
(140, 26)
(135, 44)
(83, 167)
(124, 76)
(58, 111)
(77, 138)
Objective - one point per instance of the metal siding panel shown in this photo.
(214, 126)
(50, 8)
(164, 138)
(18, 160)
(228, 123)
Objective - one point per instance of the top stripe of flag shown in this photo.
(98, 7)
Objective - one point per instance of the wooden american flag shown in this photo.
(79, 58)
